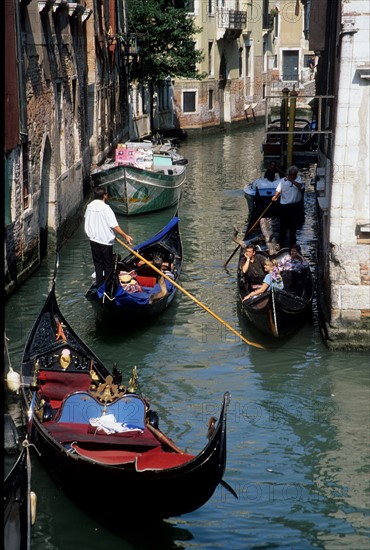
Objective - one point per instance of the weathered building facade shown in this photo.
(107, 77)
(251, 52)
(65, 99)
(340, 36)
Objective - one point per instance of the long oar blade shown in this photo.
(189, 295)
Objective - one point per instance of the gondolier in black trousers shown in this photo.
(291, 209)
(100, 227)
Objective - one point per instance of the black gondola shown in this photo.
(75, 400)
(279, 312)
(17, 493)
(146, 293)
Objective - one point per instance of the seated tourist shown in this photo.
(294, 261)
(252, 267)
(272, 280)
(292, 269)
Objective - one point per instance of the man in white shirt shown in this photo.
(291, 205)
(100, 226)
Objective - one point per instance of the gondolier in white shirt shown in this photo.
(100, 227)
(291, 205)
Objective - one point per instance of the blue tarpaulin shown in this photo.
(159, 235)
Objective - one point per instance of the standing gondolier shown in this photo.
(100, 227)
(290, 189)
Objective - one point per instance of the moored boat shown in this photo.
(139, 181)
(101, 440)
(134, 290)
(258, 195)
(274, 143)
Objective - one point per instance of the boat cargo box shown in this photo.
(126, 155)
(162, 160)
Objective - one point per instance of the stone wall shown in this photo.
(47, 171)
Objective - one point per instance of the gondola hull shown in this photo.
(113, 304)
(17, 504)
(164, 493)
(116, 474)
(276, 312)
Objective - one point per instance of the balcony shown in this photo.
(230, 23)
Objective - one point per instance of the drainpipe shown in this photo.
(292, 111)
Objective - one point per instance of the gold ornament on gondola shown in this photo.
(92, 373)
(107, 391)
(133, 383)
(65, 358)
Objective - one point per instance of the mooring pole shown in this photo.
(292, 111)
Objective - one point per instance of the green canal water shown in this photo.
(298, 421)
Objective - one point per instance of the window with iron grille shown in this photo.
(210, 99)
(189, 102)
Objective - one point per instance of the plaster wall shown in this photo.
(350, 190)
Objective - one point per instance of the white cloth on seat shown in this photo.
(109, 425)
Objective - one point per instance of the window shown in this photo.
(211, 7)
(188, 5)
(247, 59)
(276, 24)
(210, 58)
(240, 52)
(264, 53)
(189, 102)
(210, 99)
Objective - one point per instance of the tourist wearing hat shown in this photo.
(100, 227)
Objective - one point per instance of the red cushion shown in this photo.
(55, 385)
(160, 460)
(146, 281)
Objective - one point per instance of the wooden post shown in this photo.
(284, 125)
(292, 111)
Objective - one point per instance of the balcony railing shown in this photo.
(231, 19)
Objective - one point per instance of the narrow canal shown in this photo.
(298, 440)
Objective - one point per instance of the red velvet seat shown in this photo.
(55, 385)
(65, 432)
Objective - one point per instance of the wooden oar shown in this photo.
(249, 231)
(164, 439)
(188, 294)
